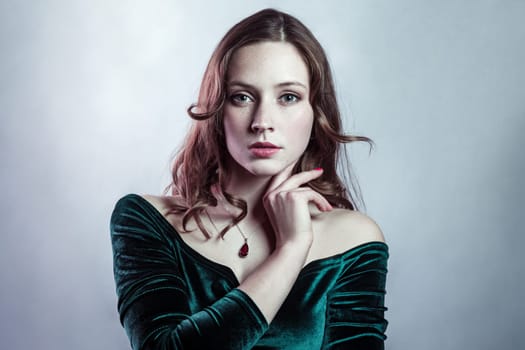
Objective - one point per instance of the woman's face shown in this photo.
(267, 115)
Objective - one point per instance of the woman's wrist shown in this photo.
(293, 250)
(302, 241)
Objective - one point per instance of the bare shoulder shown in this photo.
(340, 230)
(353, 223)
(161, 203)
(157, 201)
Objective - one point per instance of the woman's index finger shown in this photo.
(281, 177)
(299, 179)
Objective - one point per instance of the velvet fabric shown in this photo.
(172, 297)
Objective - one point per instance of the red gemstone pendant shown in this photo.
(243, 252)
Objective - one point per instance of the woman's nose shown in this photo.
(262, 120)
(261, 127)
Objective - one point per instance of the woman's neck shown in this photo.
(251, 188)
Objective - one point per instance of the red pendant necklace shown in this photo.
(243, 252)
(245, 249)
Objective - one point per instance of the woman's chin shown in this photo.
(266, 170)
(263, 172)
(259, 167)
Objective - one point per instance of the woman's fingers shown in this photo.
(305, 194)
(298, 179)
(286, 188)
(278, 179)
(287, 205)
(290, 215)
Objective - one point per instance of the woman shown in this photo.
(259, 244)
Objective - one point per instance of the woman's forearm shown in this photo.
(269, 284)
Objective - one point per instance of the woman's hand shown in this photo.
(286, 204)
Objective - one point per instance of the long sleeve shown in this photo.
(154, 298)
(355, 306)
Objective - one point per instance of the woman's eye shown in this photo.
(241, 98)
(289, 98)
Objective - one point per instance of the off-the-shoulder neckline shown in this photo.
(214, 264)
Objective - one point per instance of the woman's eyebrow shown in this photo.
(291, 83)
(283, 84)
(240, 83)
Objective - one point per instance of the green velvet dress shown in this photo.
(171, 297)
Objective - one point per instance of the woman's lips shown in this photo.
(264, 149)
(264, 152)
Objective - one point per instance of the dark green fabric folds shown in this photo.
(171, 297)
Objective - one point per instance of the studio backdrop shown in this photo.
(92, 104)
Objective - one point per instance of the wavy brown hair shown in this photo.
(199, 166)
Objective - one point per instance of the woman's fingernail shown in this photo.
(318, 169)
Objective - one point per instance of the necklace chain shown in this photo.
(237, 225)
(243, 251)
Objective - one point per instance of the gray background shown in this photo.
(92, 103)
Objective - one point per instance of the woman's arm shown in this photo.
(153, 300)
(286, 205)
(355, 310)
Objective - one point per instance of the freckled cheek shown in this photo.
(230, 119)
(303, 123)
(233, 133)
(235, 120)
